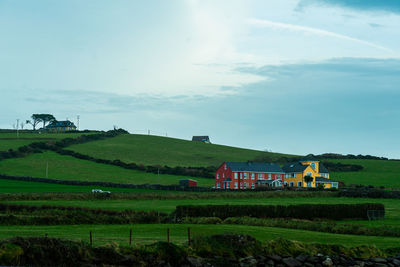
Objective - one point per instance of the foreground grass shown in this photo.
(11, 141)
(70, 168)
(376, 172)
(155, 150)
(148, 233)
(392, 206)
(11, 186)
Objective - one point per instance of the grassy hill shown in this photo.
(9, 140)
(69, 168)
(156, 150)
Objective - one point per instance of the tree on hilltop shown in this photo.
(37, 118)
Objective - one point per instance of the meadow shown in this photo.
(392, 206)
(70, 168)
(156, 150)
(376, 172)
(149, 233)
(13, 186)
(153, 150)
(10, 140)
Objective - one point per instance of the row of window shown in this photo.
(242, 185)
(244, 175)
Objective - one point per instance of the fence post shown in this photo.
(189, 236)
(130, 237)
(168, 235)
(90, 238)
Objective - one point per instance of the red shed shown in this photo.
(188, 182)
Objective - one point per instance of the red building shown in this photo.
(188, 182)
(248, 175)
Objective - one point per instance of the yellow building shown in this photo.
(308, 173)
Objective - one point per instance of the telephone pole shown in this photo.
(17, 128)
(77, 117)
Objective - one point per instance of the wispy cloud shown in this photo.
(315, 31)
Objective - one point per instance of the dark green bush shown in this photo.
(303, 211)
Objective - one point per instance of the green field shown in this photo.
(155, 150)
(376, 172)
(12, 186)
(392, 206)
(11, 141)
(70, 168)
(148, 233)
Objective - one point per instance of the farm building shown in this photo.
(61, 126)
(204, 139)
(188, 182)
(248, 175)
(308, 173)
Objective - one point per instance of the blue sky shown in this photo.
(301, 76)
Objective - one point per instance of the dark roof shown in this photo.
(322, 168)
(254, 167)
(61, 124)
(294, 167)
(309, 157)
(324, 180)
(201, 138)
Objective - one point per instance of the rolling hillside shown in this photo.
(155, 150)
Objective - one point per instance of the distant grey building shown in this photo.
(204, 139)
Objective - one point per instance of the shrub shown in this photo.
(304, 211)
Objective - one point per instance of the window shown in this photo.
(286, 183)
(260, 176)
(241, 185)
(309, 184)
(225, 167)
(299, 184)
(236, 175)
(236, 185)
(309, 174)
(313, 165)
(286, 175)
(277, 176)
(245, 175)
(253, 186)
(252, 176)
(227, 184)
(245, 185)
(223, 175)
(293, 175)
(291, 184)
(217, 175)
(269, 176)
(241, 175)
(335, 185)
(218, 185)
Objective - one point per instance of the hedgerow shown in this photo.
(303, 211)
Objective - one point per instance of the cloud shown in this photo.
(392, 6)
(315, 31)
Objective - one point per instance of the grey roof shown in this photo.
(322, 168)
(324, 180)
(294, 167)
(309, 157)
(254, 167)
(61, 124)
(201, 138)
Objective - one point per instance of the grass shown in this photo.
(155, 150)
(148, 233)
(10, 140)
(375, 172)
(11, 186)
(70, 168)
(392, 206)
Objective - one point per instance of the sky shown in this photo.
(293, 76)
